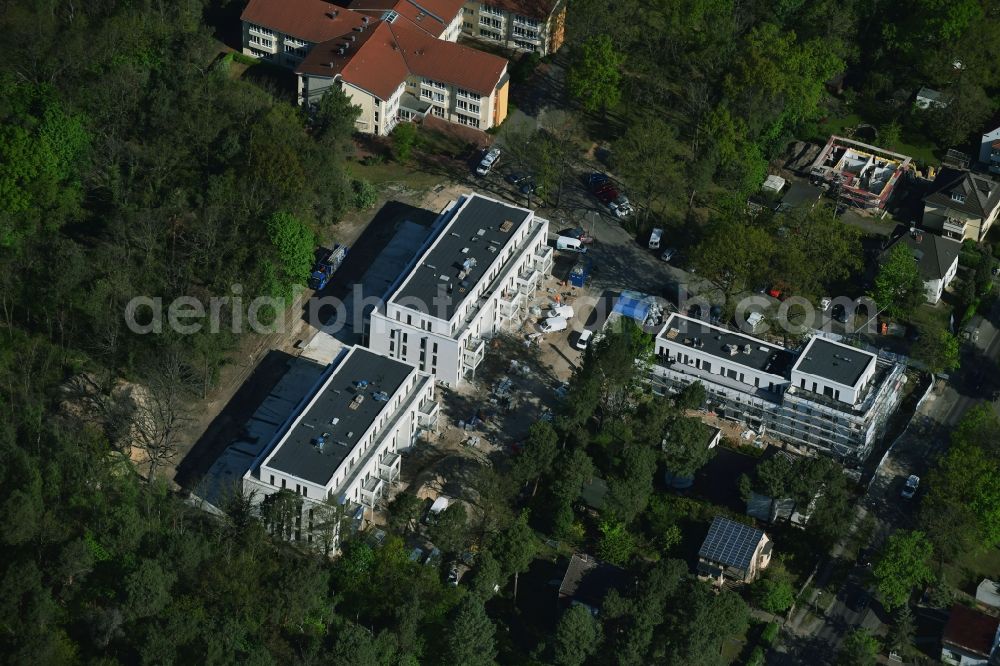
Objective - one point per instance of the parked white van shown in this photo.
(654, 239)
(571, 244)
(564, 311)
(554, 325)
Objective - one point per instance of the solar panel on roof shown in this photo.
(730, 543)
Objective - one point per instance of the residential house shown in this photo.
(474, 276)
(961, 204)
(733, 552)
(337, 453)
(970, 638)
(588, 580)
(936, 257)
(989, 150)
(827, 395)
(536, 26)
(394, 61)
(857, 173)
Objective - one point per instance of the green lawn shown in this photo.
(971, 567)
(931, 316)
(392, 173)
(917, 147)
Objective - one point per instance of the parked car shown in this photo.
(529, 186)
(824, 304)
(570, 244)
(668, 254)
(865, 557)
(910, 487)
(607, 195)
(517, 177)
(577, 233)
(621, 207)
(596, 179)
(715, 314)
(490, 159)
(840, 313)
(583, 341)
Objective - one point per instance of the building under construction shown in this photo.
(858, 174)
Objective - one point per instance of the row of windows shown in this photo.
(434, 84)
(261, 30)
(490, 23)
(530, 22)
(525, 32)
(261, 41)
(490, 35)
(468, 120)
(486, 9)
(469, 94)
(527, 46)
(466, 106)
(427, 94)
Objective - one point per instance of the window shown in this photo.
(438, 97)
(409, 320)
(525, 32)
(958, 196)
(283, 484)
(486, 9)
(466, 93)
(263, 31)
(260, 41)
(305, 491)
(438, 111)
(272, 479)
(468, 120)
(490, 35)
(426, 94)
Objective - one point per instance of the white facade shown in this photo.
(451, 345)
(354, 477)
(764, 386)
(935, 288)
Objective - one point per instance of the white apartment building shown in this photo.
(536, 26)
(830, 396)
(340, 446)
(474, 276)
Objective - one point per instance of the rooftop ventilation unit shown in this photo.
(334, 421)
(506, 226)
(381, 396)
(465, 250)
(362, 384)
(481, 232)
(358, 399)
(746, 349)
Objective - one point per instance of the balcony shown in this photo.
(954, 227)
(371, 492)
(427, 415)
(543, 259)
(473, 353)
(527, 281)
(510, 304)
(388, 467)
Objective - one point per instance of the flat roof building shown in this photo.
(339, 447)
(828, 395)
(473, 277)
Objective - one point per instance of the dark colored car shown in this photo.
(596, 180)
(715, 314)
(839, 313)
(694, 311)
(517, 178)
(865, 557)
(528, 186)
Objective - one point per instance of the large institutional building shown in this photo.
(475, 274)
(338, 451)
(400, 60)
(829, 396)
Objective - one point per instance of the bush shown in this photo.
(756, 657)
(365, 194)
(770, 633)
(244, 59)
(405, 140)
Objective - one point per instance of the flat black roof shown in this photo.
(465, 248)
(836, 362)
(750, 352)
(299, 455)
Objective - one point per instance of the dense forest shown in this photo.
(132, 162)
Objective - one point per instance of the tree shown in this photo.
(858, 649)
(594, 75)
(616, 545)
(405, 139)
(774, 592)
(365, 194)
(902, 632)
(650, 155)
(578, 635)
(691, 396)
(357, 646)
(404, 512)
(898, 288)
(734, 255)
(469, 635)
(335, 117)
(937, 349)
(630, 487)
(686, 450)
(701, 621)
(294, 243)
(538, 453)
(515, 548)
(487, 577)
(817, 250)
(905, 564)
(449, 531)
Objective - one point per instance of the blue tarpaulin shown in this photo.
(634, 305)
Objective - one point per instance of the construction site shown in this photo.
(858, 174)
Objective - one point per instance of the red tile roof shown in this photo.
(308, 20)
(971, 630)
(384, 54)
(434, 16)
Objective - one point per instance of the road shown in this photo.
(815, 639)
